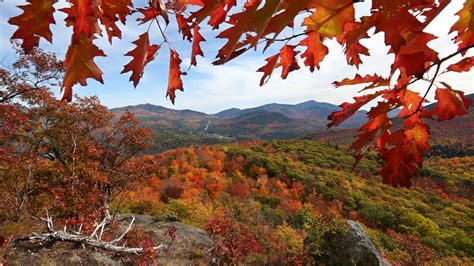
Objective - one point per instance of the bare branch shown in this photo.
(84, 240)
(124, 232)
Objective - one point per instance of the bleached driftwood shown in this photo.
(93, 240)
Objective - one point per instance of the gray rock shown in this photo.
(191, 247)
(353, 248)
(59, 256)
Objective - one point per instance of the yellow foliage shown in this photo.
(190, 211)
(291, 238)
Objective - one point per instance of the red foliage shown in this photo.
(419, 252)
(172, 191)
(171, 233)
(149, 255)
(233, 240)
(239, 190)
(72, 158)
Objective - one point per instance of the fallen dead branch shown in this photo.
(93, 240)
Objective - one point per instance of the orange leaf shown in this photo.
(183, 26)
(465, 25)
(404, 156)
(420, 135)
(285, 18)
(410, 101)
(288, 60)
(353, 54)
(463, 65)
(196, 50)
(142, 54)
(113, 11)
(83, 19)
(399, 166)
(216, 9)
(348, 109)
(358, 79)
(80, 64)
(329, 18)
(371, 131)
(415, 54)
(451, 103)
(241, 22)
(208, 7)
(191, 2)
(268, 68)
(154, 10)
(262, 17)
(315, 52)
(174, 78)
(396, 21)
(219, 13)
(34, 23)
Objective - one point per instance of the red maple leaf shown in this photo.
(315, 52)
(288, 60)
(196, 49)
(348, 109)
(268, 68)
(174, 78)
(80, 65)
(462, 66)
(142, 55)
(451, 103)
(113, 11)
(34, 23)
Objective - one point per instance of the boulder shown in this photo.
(352, 248)
(191, 247)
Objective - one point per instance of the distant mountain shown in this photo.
(160, 111)
(229, 113)
(270, 121)
(175, 128)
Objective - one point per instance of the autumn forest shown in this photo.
(383, 179)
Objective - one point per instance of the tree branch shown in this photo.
(76, 237)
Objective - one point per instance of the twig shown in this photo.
(438, 67)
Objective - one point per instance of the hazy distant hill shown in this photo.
(175, 128)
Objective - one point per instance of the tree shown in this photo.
(74, 157)
(19, 166)
(255, 23)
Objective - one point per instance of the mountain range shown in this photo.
(175, 128)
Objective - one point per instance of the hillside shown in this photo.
(176, 128)
(277, 194)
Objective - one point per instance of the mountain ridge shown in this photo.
(173, 128)
(307, 120)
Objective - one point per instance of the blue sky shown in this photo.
(214, 88)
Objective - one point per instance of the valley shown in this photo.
(178, 128)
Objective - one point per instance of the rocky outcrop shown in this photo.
(352, 248)
(190, 247)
